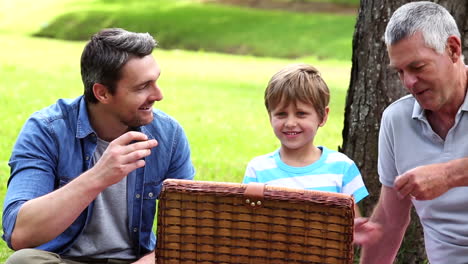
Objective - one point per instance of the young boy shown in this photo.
(297, 100)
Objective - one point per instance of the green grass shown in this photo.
(217, 98)
(341, 2)
(193, 26)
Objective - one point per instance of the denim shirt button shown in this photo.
(137, 196)
(87, 157)
(150, 194)
(135, 230)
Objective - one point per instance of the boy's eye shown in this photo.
(301, 113)
(280, 114)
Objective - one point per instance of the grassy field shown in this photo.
(218, 98)
(189, 25)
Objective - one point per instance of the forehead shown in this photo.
(140, 69)
(293, 104)
(409, 50)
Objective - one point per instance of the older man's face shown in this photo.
(429, 76)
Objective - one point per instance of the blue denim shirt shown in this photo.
(56, 145)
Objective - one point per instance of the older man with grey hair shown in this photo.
(423, 142)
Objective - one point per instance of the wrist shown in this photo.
(455, 173)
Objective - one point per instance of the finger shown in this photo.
(130, 136)
(135, 156)
(134, 165)
(360, 221)
(401, 181)
(146, 144)
(403, 186)
(405, 191)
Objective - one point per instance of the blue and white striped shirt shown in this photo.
(333, 172)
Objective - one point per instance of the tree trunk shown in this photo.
(372, 88)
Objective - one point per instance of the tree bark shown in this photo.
(372, 88)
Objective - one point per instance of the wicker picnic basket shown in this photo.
(213, 222)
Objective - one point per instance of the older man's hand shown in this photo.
(424, 182)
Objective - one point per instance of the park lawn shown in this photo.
(217, 98)
(189, 25)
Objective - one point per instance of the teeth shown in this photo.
(292, 133)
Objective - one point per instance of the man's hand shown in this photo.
(122, 156)
(147, 259)
(424, 182)
(366, 232)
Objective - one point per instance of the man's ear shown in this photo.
(453, 48)
(101, 92)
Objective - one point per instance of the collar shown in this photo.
(83, 126)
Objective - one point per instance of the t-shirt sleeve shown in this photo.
(386, 160)
(353, 183)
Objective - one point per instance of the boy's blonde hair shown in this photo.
(297, 82)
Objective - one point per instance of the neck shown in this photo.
(300, 157)
(105, 125)
(449, 110)
(443, 119)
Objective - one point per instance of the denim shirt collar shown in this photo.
(83, 126)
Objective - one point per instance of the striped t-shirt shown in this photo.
(333, 172)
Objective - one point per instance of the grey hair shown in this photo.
(432, 20)
(106, 53)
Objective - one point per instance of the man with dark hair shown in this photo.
(423, 147)
(85, 173)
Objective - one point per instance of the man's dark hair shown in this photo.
(106, 53)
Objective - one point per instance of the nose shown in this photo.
(291, 121)
(409, 80)
(157, 94)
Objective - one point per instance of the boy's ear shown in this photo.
(325, 117)
(101, 92)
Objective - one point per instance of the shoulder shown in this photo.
(59, 110)
(56, 118)
(263, 162)
(402, 107)
(333, 156)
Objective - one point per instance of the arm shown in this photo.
(431, 181)
(393, 216)
(147, 259)
(357, 212)
(118, 160)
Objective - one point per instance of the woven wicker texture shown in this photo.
(212, 222)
